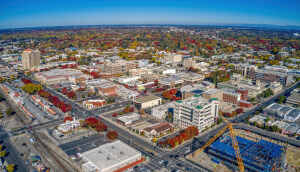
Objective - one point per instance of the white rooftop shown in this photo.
(109, 155)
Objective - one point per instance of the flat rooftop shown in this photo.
(194, 102)
(110, 154)
(214, 91)
(147, 99)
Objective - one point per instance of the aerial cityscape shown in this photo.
(168, 86)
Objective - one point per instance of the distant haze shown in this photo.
(35, 13)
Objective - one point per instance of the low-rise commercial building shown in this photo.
(161, 111)
(93, 103)
(157, 129)
(286, 112)
(190, 78)
(55, 75)
(7, 73)
(139, 72)
(122, 91)
(244, 104)
(171, 82)
(294, 98)
(69, 126)
(110, 157)
(76, 79)
(148, 101)
(107, 89)
(214, 93)
(151, 77)
(196, 111)
(128, 119)
(164, 71)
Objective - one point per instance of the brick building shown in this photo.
(244, 104)
(231, 96)
(107, 89)
(244, 94)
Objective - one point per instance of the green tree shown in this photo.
(275, 128)
(1, 97)
(83, 95)
(267, 120)
(9, 111)
(10, 167)
(2, 154)
(89, 94)
(220, 121)
(262, 126)
(267, 127)
(111, 99)
(252, 99)
(255, 124)
(281, 99)
(257, 112)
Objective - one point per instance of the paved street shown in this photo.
(150, 150)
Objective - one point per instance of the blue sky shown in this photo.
(32, 13)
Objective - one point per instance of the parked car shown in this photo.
(179, 165)
(161, 161)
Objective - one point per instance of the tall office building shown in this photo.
(31, 58)
(196, 111)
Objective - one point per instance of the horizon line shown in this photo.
(233, 25)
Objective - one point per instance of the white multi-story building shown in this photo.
(189, 62)
(196, 111)
(161, 111)
(173, 57)
(143, 63)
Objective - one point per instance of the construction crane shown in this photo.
(234, 143)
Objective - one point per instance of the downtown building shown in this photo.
(31, 58)
(196, 111)
(272, 74)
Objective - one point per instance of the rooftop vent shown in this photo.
(112, 147)
(121, 153)
(99, 152)
(108, 158)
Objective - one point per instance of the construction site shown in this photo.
(232, 151)
(257, 156)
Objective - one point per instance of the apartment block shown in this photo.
(173, 57)
(189, 62)
(31, 58)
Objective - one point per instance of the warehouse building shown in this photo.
(110, 157)
(148, 101)
(286, 112)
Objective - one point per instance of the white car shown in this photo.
(161, 161)
(128, 170)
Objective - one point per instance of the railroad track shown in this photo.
(50, 152)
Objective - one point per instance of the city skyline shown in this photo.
(17, 14)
